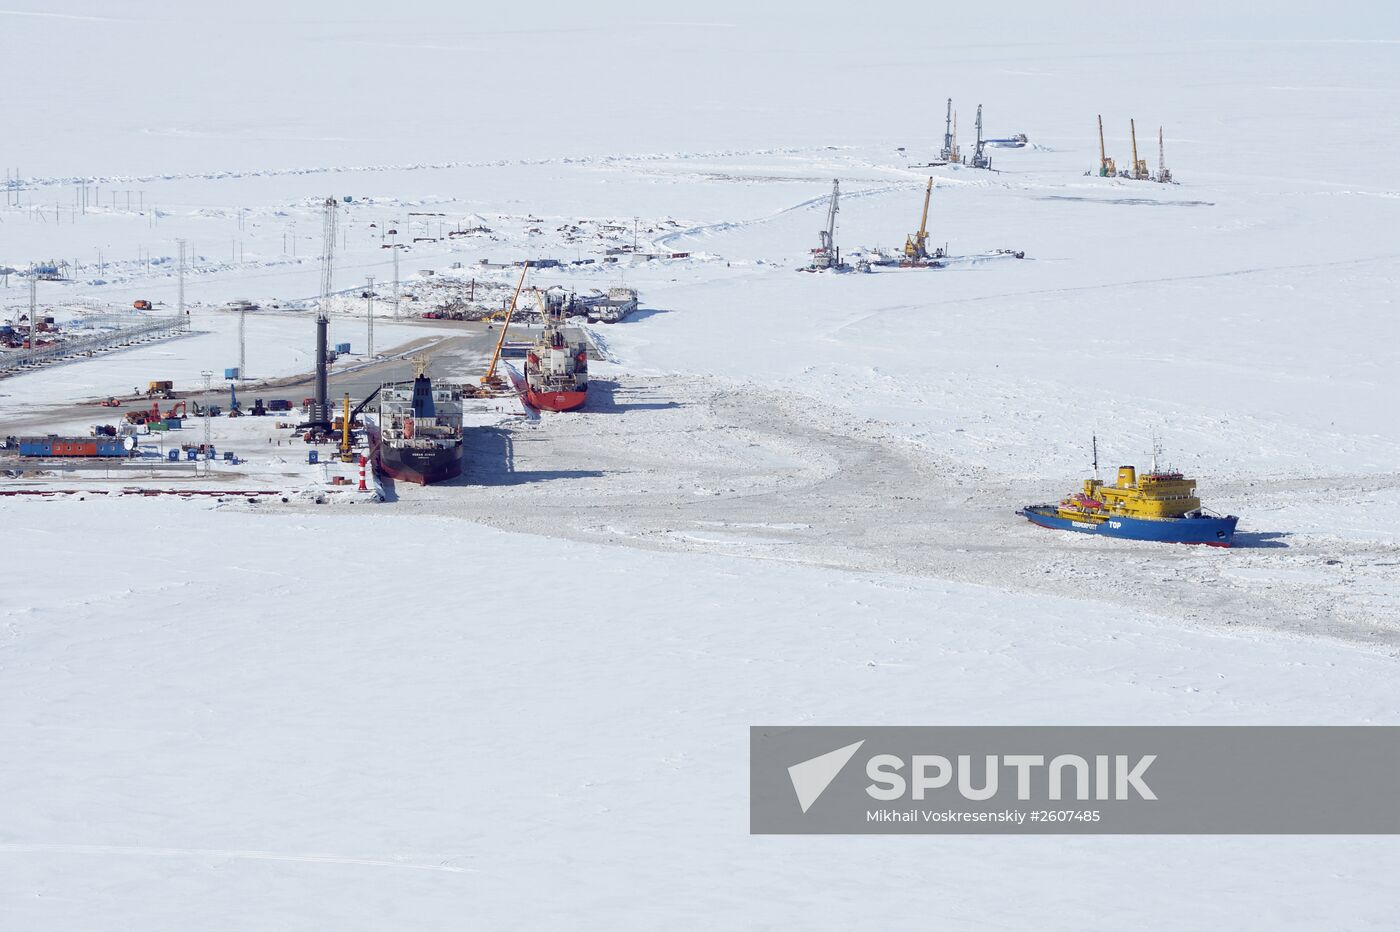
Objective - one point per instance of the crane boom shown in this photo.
(490, 377)
(828, 236)
(923, 220)
(915, 245)
(1102, 156)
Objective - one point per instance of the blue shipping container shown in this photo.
(342, 348)
(313, 456)
(231, 373)
(173, 455)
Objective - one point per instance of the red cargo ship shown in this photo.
(556, 370)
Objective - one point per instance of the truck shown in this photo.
(160, 388)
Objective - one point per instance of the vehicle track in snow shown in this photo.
(695, 465)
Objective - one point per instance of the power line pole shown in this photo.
(33, 302)
(180, 293)
(208, 437)
(242, 341)
(396, 281)
(369, 316)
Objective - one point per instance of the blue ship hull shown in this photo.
(1209, 530)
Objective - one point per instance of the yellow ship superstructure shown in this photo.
(1153, 495)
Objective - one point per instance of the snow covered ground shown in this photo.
(523, 698)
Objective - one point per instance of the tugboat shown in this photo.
(418, 437)
(556, 370)
(1160, 505)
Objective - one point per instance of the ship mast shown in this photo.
(1096, 457)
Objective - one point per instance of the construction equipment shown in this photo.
(1139, 172)
(258, 409)
(915, 246)
(234, 409)
(980, 159)
(345, 432)
(111, 402)
(490, 378)
(827, 256)
(1107, 168)
(1164, 175)
(949, 152)
(141, 304)
(159, 389)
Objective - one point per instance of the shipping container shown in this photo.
(71, 446)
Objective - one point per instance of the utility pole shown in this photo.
(208, 437)
(396, 281)
(33, 302)
(180, 293)
(369, 316)
(242, 341)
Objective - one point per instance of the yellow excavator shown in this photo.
(915, 247)
(491, 379)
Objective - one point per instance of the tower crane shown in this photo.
(1107, 169)
(1139, 165)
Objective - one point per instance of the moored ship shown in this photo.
(1160, 505)
(615, 307)
(418, 434)
(556, 370)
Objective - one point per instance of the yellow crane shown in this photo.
(915, 245)
(345, 455)
(490, 378)
(1139, 165)
(1107, 169)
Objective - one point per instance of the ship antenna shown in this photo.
(1156, 452)
(1096, 457)
(420, 364)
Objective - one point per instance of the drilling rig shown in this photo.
(1164, 175)
(1107, 169)
(949, 152)
(1139, 165)
(979, 158)
(827, 256)
(320, 419)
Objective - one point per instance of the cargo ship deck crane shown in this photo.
(1139, 165)
(1107, 168)
(490, 378)
(915, 246)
